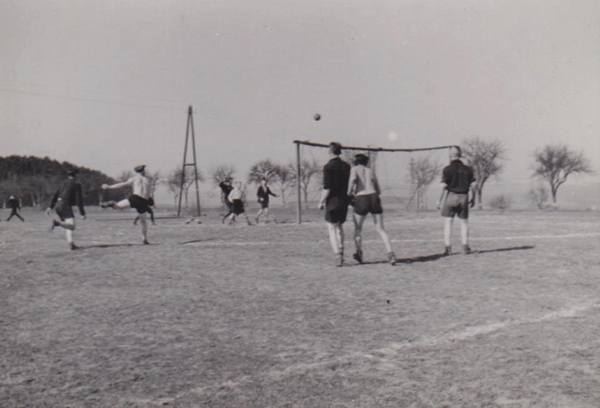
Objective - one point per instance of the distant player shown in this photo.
(138, 199)
(226, 188)
(334, 199)
(68, 195)
(15, 206)
(363, 185)
(457, 178)
(263, 199)
(236, 196)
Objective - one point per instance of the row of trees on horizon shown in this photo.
(34, 179)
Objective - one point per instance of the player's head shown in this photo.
(140, 169)
(238, 185)
(335, 148)
(228, 180)
(264, 180)
(454, 153)
(72, 172)
(361, 159)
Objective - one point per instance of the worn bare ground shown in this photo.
(215, 316)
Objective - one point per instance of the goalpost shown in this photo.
(367, 149)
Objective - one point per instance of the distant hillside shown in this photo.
(34, 180)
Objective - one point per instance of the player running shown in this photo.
(363, 185)
(226, 188)
(263, 193)
(457, 178)
(68, 195)
(236, 196)
(138, 199)
(15, 206)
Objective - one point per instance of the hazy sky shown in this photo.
(106, 84)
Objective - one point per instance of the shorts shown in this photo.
(336, 210)
(238, 207)
(456, 204)
(139, 203)
(64, 210)
(369, 203)
(264, 204)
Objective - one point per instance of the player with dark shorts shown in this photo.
(139, 198)
(226, 188)
(457, 178)
(150, 211)
(15, 206)
(236, 197)
(364, 187)
(263, 194)
(334, 199)
(68, 195)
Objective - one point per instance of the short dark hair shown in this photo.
(335, 148)
(361, 159)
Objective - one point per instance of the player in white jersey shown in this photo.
(138, 199)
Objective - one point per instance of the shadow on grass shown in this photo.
(436, 257)
(195, 241)
(520, 248)
(110, 246)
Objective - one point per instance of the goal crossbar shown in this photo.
(373, 149)
(364, 149)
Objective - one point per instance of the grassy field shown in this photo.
(217, 316)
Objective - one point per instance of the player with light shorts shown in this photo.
(364, 187)
(457, 178)
(67, 195)
(138, 199)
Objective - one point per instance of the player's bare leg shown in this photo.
(336, 238)
(378, 220)
(69, 226)
(358, 225)
(144, 224)
(464, 234)
(448, 235)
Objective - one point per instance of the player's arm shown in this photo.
(117, 185)
(79, 200)
(376, 185)
(351, 182)
(53, 202)
(270, 192)
(326, 187)
(443, 196)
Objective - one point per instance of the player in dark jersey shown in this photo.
(15, 206)
(334, 199)
(68, 195)
(226, 187)
(263, 193)
(457, 178)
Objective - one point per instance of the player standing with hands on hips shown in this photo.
(334, 199)
(68, 195)
(138, 199)
(457, 178)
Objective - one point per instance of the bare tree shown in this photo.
(555, 163)
(308, 170)
(484, 157)
(284, 180)
(421, 172)
(263, 169)
(173, 182)
(154, 179)
(221, 172)
(538, 196)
